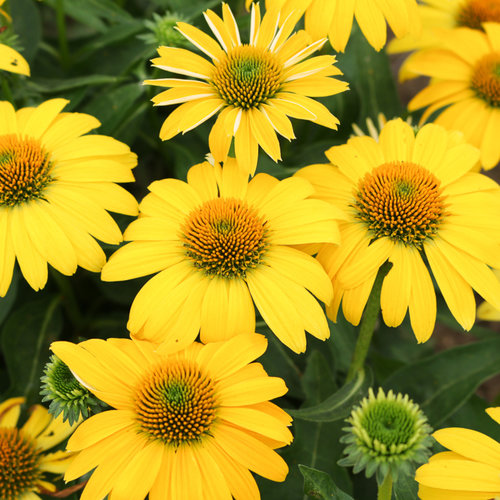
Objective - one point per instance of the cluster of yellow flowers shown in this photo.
(191, 419)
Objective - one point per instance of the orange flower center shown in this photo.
(224, 237)
(486, 79)
(400, 200)
(475, 12)
(18, 464)
(176, 403)
(247, 77)
(24, 169)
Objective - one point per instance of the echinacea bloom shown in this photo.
(334, 18)
(470, 471)
(410, 198)
(486, 311)
(219, 241)
(254, 86)
(445, 14)
(465, 86)
(23, 461)
(188, 424)
(55, 187)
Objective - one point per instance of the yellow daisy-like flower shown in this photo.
(409, 198)
(334, 18)
(465, 72)
(220, 241)
(488, 312)
(255, 86)
(437, 15)
(23, 463)
(470, 471)
(187, 424)
(55, 187)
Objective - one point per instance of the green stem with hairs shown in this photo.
(385, 489)
(61, 32)
(368, 323)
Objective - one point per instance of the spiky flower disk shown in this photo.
(446, 14)
(388, 433)
(413, 199)
(24, 460)
(464, 90)
(57, 184)
(252, 87)
(187, 424)
(66, 394)
(219, 244)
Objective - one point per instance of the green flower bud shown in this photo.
(163, 32)
(66, 394)
(387, 434)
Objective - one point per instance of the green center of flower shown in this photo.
(475, 12)
(400, 200)
(176, 403)
(388, 423)
(18, 464)
(486, 79)
(224, 237)
(247, 77)
(24, 169)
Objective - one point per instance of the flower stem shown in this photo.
(61, 31)
(385, 489)
(368, 323)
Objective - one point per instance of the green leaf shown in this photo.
(320, 485)
(25, 340)
(339, 404)
(370, 75)
(56, 85)
(315, 444)
(27, 24)
(113, 35)
(405, 487)
(443, 382)
(94, 13)
(115, 106)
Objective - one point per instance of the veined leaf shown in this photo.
(320, 485)
(339, 404)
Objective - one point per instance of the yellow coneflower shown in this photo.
(23, 461)
(219, 241)
(254, 86)
(410, 198)
(445, 14)
(187, 424)
(55, 187)
(465, 72)
(334, 18)
(469, 471)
